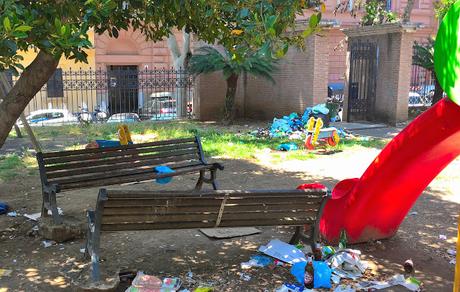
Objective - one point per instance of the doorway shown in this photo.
(123, 89)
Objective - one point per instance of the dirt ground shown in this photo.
(216, 263)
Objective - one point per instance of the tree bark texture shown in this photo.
(232, 83)
(31, 81)
(180, 62)
(408, 11)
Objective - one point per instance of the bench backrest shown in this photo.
(138, 210)
(123, 164)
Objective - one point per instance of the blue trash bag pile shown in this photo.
(293, 123)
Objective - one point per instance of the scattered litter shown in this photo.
(3, 208)
(257, 261)
(409, 266)
(245, 277)
(322, 275)
(410, 283)
(292, 288)
(12, 214)
(287, 147)
(48, 243)
(82, 250)
(453, 261)
(143, 282)
(283, 251)
(442, 237)
(298, 271)
(204, 289)
(347, 264)
(5, 273)
(452, 252)
(229, 232)
(413, 213)
(344, 288)
(36, 216)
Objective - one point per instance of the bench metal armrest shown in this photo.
(217, 166)
(51, 188)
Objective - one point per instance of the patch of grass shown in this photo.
(12, 165)
(363, 142)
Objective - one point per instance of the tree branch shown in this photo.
(173, 47)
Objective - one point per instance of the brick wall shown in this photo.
(300, 81)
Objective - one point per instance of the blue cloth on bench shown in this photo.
(109, 143)
(162, 170)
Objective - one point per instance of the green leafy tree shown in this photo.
(257, 38)
(424, 57)
(210, 60)
(441, 7)
(57, 28)
(376, 13)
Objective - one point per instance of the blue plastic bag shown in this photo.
(287, 147)
(162, 170)
(3, 208)
(320, 109)
(321, 275)
(298, 271)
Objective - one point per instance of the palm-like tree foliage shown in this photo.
(209, 60)
(424, 57)
(424, 54)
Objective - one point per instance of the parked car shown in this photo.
(50, 117)
(124, 118)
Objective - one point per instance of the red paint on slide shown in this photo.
(373, 206)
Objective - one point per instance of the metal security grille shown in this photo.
(115, 94)
(362, 81)
(422, 85)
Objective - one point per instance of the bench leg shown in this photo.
(295, 238)
(92, 246)
(199, 183)
(49, 203)
(213, 179)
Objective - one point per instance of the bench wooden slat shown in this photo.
(110, 149)
(199, 217)
(206, 201)
(162, 209)
(132, 178)
(124, 194)
(185, 155)
(122, 152)
(114, 161)
(130, 169)
(210, 224)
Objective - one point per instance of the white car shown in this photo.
(124, 118)
(50, 117)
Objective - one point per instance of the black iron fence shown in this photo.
(421, 87)
(115, 94)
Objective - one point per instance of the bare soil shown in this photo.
(216, 263)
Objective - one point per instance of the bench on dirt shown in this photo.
(76, 169)
(123, 210)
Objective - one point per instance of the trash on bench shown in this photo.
(163, 170)
(221, 233)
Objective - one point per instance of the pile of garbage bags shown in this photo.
(294, 124)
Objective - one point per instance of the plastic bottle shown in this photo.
(309, 273)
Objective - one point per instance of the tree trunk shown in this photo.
(18, 131)
(30, 82)
(232, 83)
(407, 11)
(180, 62)
(438, 92)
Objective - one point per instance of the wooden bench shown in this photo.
(76, 169)
(154, 210)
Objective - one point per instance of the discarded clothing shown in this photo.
(163, 170)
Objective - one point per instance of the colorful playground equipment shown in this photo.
(317, 135)
(373, 206)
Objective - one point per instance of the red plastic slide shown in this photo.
(374, 206)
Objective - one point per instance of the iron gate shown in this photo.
(362, 81)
